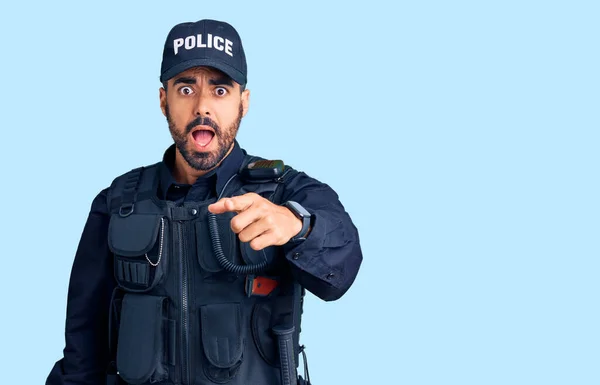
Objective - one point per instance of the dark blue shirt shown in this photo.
(206, 186)
(326, 263)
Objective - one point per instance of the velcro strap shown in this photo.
(129, 194)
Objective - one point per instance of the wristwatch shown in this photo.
(300, 213)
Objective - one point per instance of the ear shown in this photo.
(245, 101)
(162, 95)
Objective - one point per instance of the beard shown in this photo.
(204, 161)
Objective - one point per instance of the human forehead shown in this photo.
(201, 73)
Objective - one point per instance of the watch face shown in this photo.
(299, 209)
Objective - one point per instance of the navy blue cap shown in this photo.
(204, 43)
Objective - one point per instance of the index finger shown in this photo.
(238, 203)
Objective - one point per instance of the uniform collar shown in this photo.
(216, 178)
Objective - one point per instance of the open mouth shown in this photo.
(203, 136)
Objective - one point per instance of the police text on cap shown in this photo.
(195, 41)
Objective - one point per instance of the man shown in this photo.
(193, 270)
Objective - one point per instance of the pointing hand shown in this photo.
(258, 220)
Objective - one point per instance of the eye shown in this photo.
(220, 91)
(185, 90)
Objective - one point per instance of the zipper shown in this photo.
(184, 307)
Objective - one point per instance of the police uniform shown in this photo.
(163, 292)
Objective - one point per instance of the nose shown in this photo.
(203, 106)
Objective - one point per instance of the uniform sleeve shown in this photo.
(85, 356)
(327, 262)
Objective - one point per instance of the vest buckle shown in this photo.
(126, 209)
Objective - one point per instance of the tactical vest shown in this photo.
(181, 316)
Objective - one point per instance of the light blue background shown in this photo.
(472, 128)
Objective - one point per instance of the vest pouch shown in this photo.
(222, 341)
(251, 256)
(205, 249)
(265, 316)
(139, 244)
(146, 339)
(247, 253)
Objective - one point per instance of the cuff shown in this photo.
(308, 255)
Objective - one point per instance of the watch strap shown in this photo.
(305, 218)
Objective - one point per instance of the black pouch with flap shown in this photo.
(139, 243)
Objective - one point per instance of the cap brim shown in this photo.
(236, 75)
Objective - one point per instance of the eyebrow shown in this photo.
(184, 80)
(223, 80)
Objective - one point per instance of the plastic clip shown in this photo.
(260, 286)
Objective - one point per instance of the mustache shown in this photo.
(202, 121)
